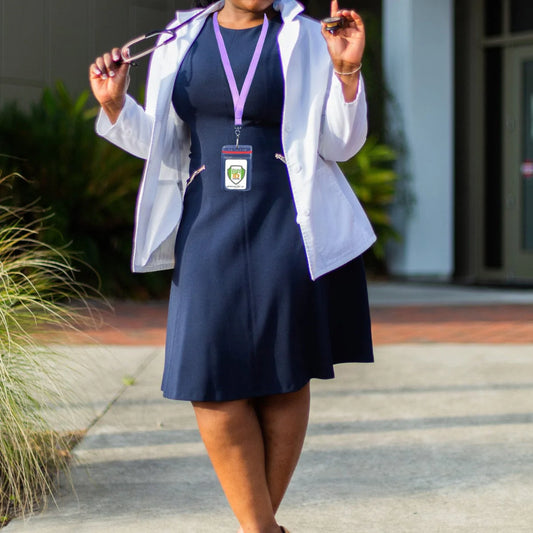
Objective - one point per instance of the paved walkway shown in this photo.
(436, 436)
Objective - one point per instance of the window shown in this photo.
(493, 17)
(521, 15)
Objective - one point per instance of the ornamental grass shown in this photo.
(38, 291)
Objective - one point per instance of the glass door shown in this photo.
(518, 167)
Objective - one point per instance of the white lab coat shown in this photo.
(318, 128)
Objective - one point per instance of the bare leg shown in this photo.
(234, 441)
(283, 419)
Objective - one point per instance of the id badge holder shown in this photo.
(237, 167)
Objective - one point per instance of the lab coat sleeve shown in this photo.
(132, 131)
(344, 124)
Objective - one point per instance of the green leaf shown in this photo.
(88, 184)
(373, 178)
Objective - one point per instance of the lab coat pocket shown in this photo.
(334, 212)
(194, 174)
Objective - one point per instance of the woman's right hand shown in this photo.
(109, 78)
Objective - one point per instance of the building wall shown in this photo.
(418, 60)
(42, 41)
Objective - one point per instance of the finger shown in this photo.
(357, 18)
(116, 56)
(110, 64)
(345, 13)
(325, 32)
(94, 72)
(352, 16)
(101, 67)
(334, 8)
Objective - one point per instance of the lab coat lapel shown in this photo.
(170, 56)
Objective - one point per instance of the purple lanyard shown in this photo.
(239, 99)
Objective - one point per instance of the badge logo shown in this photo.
(236, 173)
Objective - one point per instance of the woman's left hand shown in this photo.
(346, 47)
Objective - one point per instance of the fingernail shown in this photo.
(116, 57)
(104, 77)
(111, 73)
(97, 72)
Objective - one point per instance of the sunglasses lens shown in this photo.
(146, 45)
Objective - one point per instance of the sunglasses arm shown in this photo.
(124, 51)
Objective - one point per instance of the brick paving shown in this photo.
(505, 324)
(144, 324)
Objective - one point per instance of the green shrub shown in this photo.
(88, 184)
(372, 177)
(37, 291)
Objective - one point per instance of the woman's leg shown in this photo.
(283, 419)
(234, 441)
(254, 446)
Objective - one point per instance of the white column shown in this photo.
(418, 60)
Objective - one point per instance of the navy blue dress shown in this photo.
(245, 319)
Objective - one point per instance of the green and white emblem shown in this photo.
(236, 173)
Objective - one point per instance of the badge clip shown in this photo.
(238, 130)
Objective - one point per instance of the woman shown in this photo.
(246, 114)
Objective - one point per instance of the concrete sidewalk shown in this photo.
(434, 437)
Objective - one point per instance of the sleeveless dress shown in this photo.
(245, 319)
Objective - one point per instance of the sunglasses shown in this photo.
(145, 44)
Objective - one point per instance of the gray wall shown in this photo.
(42, 41)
